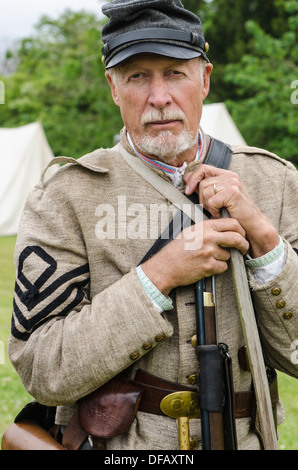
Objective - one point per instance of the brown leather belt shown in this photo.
(119, 400)
(155, 389)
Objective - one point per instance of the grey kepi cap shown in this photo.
(161, 27)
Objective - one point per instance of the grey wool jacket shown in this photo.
(81, 314)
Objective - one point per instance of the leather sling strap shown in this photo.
(219, 154)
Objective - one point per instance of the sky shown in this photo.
(18, 17)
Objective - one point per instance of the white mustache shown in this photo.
(162, 115)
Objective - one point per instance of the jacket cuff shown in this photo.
(267, 267)
(161, 302)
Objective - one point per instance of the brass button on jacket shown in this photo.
(147, 346)
(281, 303)
(276, 291)
(159, 338)
(194, 340)
(134, 355)
(287, 315)
(192, 379)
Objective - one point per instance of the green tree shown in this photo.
(60, 81)
(253, 47)
(265, 110)
(224, 27)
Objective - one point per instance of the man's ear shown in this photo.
(206, 84)
(113, 89)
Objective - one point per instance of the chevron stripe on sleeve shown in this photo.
(48, 294)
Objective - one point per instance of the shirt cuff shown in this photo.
(267, 267)
(161, 302)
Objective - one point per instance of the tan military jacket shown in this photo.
(81, 315)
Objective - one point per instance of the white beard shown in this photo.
(166, 146)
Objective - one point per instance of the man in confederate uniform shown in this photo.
(86, 307)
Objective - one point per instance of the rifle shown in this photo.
(214, 400)
(215, 382)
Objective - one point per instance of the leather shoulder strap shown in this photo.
(219, 154)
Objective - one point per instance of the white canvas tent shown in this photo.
(24, 153)
(217, 122)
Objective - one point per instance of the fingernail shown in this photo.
(186, 189)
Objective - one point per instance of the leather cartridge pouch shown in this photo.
(109, 410)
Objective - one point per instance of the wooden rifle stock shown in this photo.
(28, 435)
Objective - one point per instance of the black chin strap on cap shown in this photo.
(154, 34)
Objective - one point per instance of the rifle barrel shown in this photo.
(201, 342)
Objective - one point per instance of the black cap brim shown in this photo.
(167, 50)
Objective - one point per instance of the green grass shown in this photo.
(289, 429)
(12, 393)
(13, 396)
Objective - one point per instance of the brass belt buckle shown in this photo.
(182, 406)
